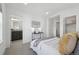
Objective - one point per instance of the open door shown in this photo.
(54, 26)
(58, 29)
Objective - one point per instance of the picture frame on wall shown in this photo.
(35, 24)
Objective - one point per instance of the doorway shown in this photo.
(54, 26)
(16, 30)
(58, 26)
(58, 29)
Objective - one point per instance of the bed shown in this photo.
(45, 47)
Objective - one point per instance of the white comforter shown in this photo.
(46, 47)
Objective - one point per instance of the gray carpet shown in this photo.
(17, 48)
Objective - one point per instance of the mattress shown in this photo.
(47, 47)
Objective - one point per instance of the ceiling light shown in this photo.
(25, 3)
(47, 13)
(14, 19)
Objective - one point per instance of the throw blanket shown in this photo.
(36, 43)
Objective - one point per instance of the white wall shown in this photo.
(27, 29)
(6, 25)
(52, 27)
(67, 13)
(6, 28)
(4, 31)
(2, 48)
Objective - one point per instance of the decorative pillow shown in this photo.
(67, 43)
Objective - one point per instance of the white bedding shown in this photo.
(46, 47)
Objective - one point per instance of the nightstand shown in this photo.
(38, 35)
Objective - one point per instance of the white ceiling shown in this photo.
(39, 9)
